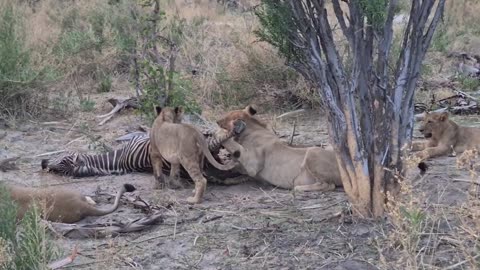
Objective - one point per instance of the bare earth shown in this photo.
(246, 226)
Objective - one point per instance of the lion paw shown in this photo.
(193, 200)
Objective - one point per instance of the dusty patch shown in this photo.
(244, 226)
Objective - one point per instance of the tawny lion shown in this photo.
(264, 156)
(60, 205)
(180, 144)
(444, 136)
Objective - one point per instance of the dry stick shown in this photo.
(462, 262)
(50, 153)
(315, 206)
(293, 132)
(63, 262)
(466, 181)
(75, 140)
(290, 113)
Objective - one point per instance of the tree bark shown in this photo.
(370, 108)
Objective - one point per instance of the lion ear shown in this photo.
(178, 110)
(158, 109)
(443, 116)
(250, 110)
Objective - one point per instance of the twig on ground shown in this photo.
(290, 113)
(75, 140)
(316, 206)
(244, 229)
(50, 153)
(210, 219)
(462, 262)
(466, 181)
(63, 262)
(293, 132)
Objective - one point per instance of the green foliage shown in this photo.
(441, 40)
(87, 105)
(155, 93)
(105, 83)
(17, 73)
(8, 212)
(469, 83)
(27, 246)
(277, 23)
(375, 11)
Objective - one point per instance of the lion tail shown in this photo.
(206, 152)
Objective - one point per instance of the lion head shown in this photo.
(434, 124)
(171, 115)
(247, 115)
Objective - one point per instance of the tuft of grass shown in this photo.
(26, 246)
(105, 84)
(87, 105)
(18, 77)
(469, 83)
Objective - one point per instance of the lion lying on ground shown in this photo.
(60, 205)
(444, 136)
(264, 156)
(180, 144)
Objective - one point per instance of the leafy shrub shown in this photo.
(105, 83)
(24, 247)
(87, 105)
(18, 78)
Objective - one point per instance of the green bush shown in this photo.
(24, 247)
(105, 83)
(469, 83)
(18, 78)
(87, 105)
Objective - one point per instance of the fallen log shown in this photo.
(119, 105)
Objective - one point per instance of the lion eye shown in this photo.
(429, 121)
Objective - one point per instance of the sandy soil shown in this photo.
(246, 226)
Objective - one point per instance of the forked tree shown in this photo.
(344, 48)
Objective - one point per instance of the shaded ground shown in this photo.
(246, 226)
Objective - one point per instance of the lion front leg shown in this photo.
(251, 161)
(433, 152)
(419, 145)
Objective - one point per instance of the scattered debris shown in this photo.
(8, 164)
(97, 231)
(118, 105)
(63, 262)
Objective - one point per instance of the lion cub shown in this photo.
(60, 205)
(443, 135)
(180, 144)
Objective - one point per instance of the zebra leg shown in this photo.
(157, 164)
(174, 179)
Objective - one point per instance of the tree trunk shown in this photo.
(369, 106)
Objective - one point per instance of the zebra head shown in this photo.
(63, 164)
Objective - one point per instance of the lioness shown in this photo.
(60, 205)
(264, 156)
(443, 136)
(180, 144)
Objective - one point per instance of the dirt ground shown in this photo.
(246, 226)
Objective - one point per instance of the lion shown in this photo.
(180, 144)
(60, 205)
(444, 136)
(263, 156)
